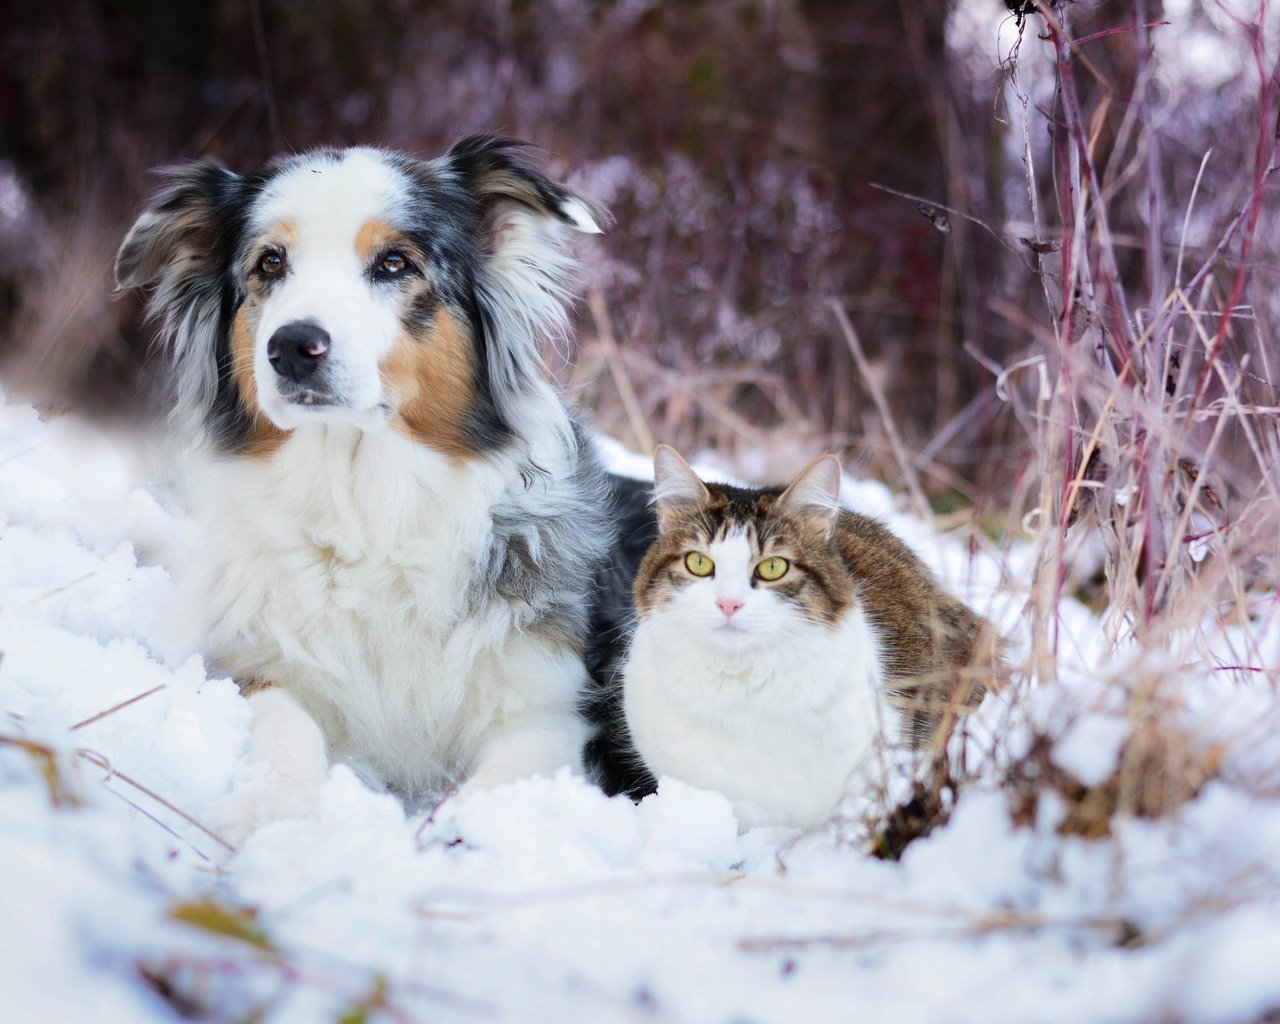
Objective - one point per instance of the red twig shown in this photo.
(1265, 152)
(1119, 30)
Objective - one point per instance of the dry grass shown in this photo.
(1150, 404)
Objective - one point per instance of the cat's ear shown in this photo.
(814, 493)
(675, 484)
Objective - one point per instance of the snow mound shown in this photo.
(545, 900)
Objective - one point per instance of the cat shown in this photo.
(777, 634)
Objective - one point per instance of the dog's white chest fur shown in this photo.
(341, 569)
(780, 733)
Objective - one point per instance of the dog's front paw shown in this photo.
(286, 765)
(536, 745)
(257, 802)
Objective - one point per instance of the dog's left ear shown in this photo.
(497, 170)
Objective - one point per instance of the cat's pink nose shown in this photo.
(728, 605)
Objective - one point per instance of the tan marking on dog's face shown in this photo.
(266, 437)
(373, 237)
(377, 237)
(430, 374)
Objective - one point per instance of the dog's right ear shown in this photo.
(499, 171)
(180, 244)
(177, 230)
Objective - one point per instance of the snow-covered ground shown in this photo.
(546, 901)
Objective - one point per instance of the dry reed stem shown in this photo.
(118, 707)
(1147, 411)
(618, 373)
(909, 475)
(100, 761)
(48, 763)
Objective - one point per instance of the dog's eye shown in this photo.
(393, 264)
(272, 263)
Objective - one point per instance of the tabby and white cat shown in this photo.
(777, 635)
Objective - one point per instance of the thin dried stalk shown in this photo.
(909, 475)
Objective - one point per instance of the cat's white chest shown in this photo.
(781, 732)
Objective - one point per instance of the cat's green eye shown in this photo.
(772, 569)
(699, 564)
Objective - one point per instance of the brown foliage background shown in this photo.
(740, 145)
(736, 142)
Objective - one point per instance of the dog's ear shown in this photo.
(499, 171)
(527, 274)
(181, 244)
(175, 234)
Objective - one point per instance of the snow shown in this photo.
(545, 900)
(1090, 747)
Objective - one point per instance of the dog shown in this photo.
(400, 524)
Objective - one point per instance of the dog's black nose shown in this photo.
(297, 349)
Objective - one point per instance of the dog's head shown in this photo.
(360, 286)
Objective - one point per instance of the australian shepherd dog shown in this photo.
(400, 524)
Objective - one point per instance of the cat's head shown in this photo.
(741, 567)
